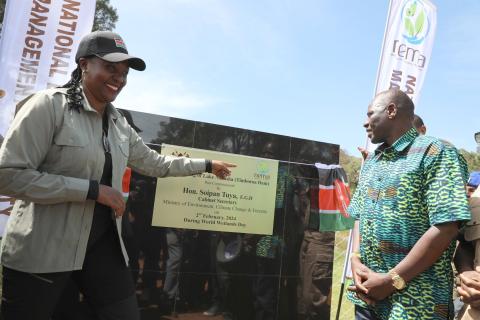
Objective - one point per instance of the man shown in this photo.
(408, 205)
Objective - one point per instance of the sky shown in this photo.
(302, 68)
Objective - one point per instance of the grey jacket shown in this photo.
(46, 161)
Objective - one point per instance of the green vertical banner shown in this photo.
(333, 198)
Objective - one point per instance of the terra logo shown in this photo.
(415, 21)
(263, 168)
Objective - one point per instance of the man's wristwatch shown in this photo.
(398, 282)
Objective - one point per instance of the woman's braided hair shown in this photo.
(74, 91)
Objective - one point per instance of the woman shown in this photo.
(64, 157)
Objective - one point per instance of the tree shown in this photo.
(472, 158)
(351, 165)
(2, 12)
(105, 15)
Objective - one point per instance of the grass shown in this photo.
(347, 308)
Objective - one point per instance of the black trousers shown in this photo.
(105, 282)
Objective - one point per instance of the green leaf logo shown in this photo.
(419, 23)
(415, 21)
(409, 27)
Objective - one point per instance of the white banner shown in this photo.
(407, 46)
(37, 47)
(37, 50)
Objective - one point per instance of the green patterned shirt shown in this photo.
(403, 190)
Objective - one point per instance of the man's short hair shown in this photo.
(403, 102)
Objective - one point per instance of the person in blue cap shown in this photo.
(473, 182)
(467, 258)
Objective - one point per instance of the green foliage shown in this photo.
(472, 158)
(351, 165)
(105, 15)
(2, 11)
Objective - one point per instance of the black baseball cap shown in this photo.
(108, 46)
